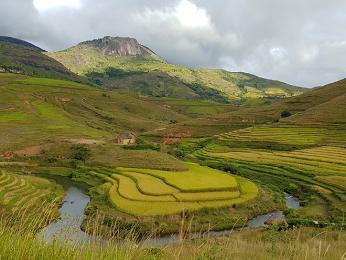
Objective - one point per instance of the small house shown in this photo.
(127, 138)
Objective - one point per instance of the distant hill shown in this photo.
(21, 42)
(123, 63)
(320, 105)
(21, 59)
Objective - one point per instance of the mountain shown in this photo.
(119, 47)
(124, 64)
(21, 59)
(20, 42)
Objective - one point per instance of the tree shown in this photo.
(285, 114)
(80, 152)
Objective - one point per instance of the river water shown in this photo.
(68, 228)
(259, 221)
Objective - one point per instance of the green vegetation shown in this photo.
(81, 152)
(145, 192)
(36, 111)
(306, 161)
(6, 117)
(320, 106)
(197, 178)
(112, 155)
(20, 242)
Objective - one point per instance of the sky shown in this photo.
(301, 42)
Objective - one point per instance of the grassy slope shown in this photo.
(35, 111)
(320, 105)
(83, 59)
(28, 61)
(331, 112)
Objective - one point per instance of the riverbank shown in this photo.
(68, 228)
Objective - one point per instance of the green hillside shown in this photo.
(323, 105)
(37, 110)
(21, 59)
(149, 75)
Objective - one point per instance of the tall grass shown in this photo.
(18, 240)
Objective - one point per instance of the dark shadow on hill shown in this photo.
(154, 83)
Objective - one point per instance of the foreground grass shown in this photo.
(19, 242)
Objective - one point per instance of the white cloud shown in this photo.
(191, 16)
(278, 53)
(187, 34)
(45, 5)
(185, 14)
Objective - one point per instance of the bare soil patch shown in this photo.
(86, 141)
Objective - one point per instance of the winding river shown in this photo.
(68, 228)
(259, 221)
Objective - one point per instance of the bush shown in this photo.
(80, 152)
(285, 114)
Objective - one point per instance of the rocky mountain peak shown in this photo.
(119, 46)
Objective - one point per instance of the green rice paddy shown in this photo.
(144, 192)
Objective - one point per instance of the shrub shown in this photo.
(80, 152)
(285, 114)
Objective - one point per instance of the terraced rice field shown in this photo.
(323, 168)
(18, 192)
(318, 161)
(143, 192)
(287, 135)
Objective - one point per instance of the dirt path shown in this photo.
(86, 141)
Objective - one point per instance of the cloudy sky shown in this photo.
(302, 42)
